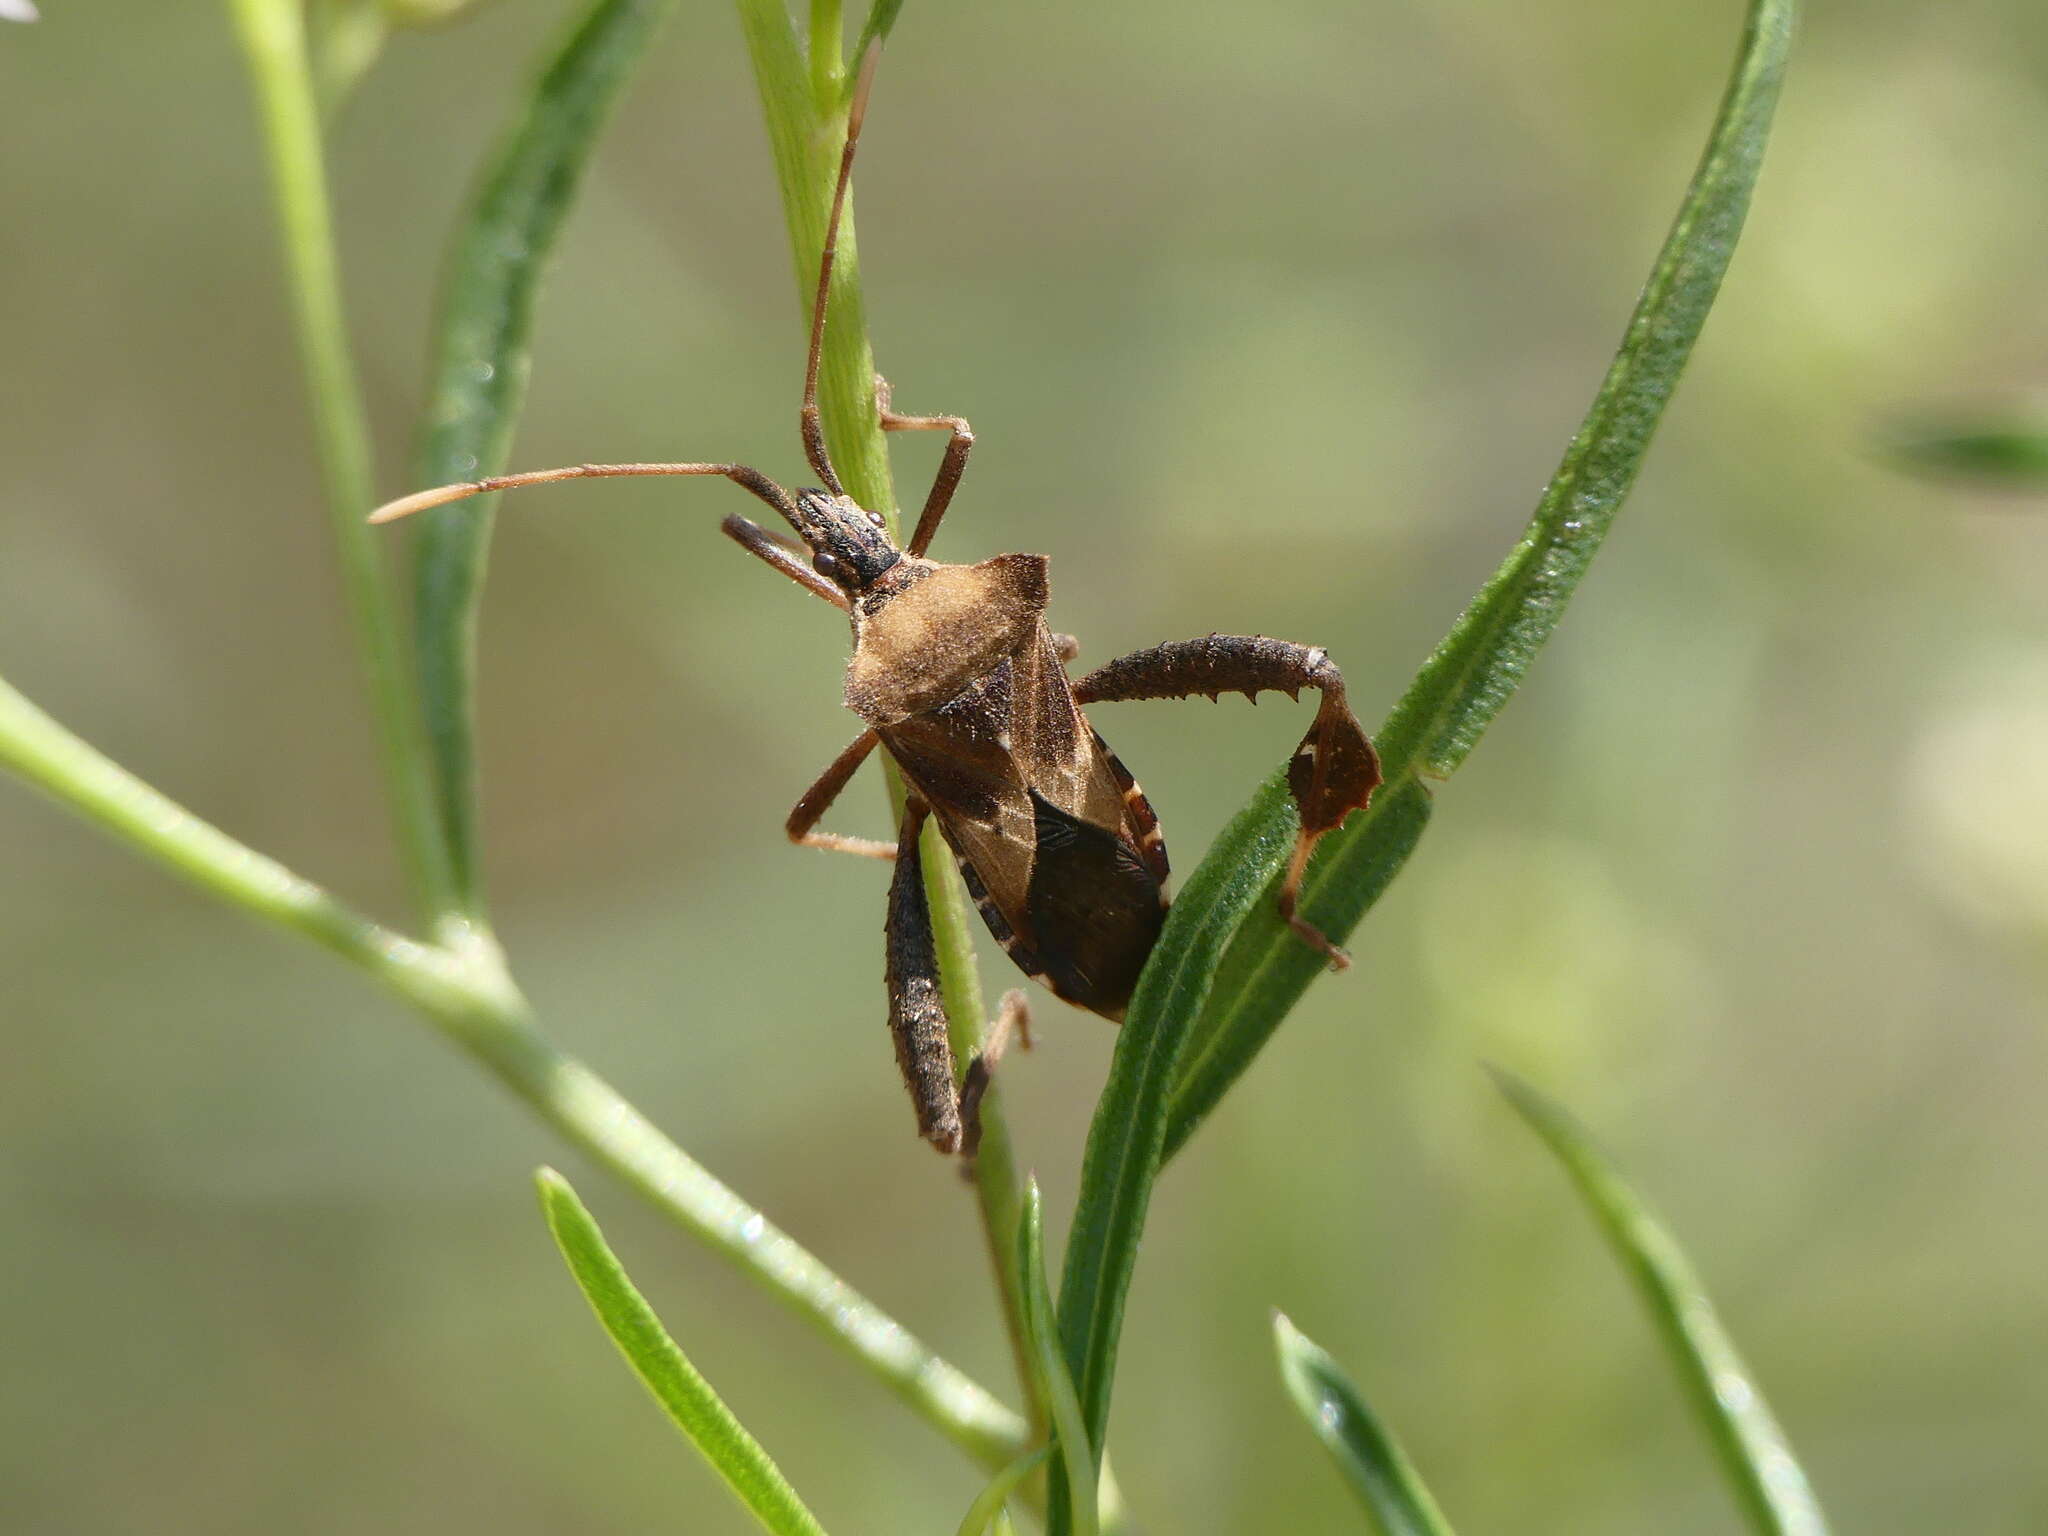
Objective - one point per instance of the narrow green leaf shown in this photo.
(2010, 454)
(989, 1507)
(662, 1368)
(1460, 688)
(881, 19)
(1265, 961)
(344, 38)
(479, 374)
(1472, 674)
(1755, 1456)
(273, 39)
(1365, 1451)
(1055, 1383)
(1128, 1133)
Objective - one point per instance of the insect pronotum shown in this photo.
(957, 677)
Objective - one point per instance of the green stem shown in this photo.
(828, 72)
(805, 109)
(272, 34)
(51, 758)
(468, 997)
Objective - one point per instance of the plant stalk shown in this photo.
(469, 998)
(273, 38)
(803, 103)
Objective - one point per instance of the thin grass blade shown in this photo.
(1473, 673)
(881, 19)
(1264, 963)
(988, 1512)
(481, 359)
(1364, 1449)
(1128, 1133)
(1768, 1481)
(1055, 1383)
(664, 1370)
(1999, 454)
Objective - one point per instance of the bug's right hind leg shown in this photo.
(917, 1015)
(817, 800)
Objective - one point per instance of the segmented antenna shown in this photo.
(750, 479)
(812, 428)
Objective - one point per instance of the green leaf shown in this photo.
(344, 38)
(1055, 1384)
(1755, 1456)
(1478, 666)
(478, 383)
(662, 1368)
(1387, 1482)
(989, 1507)
(2007, 454)
(881, 19)
(1128, 1133)
(1220, 925)
(1265, 963)
(273, 38)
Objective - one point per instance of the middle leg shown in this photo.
(819, 797)
(1333, 772)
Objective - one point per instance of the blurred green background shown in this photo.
(1268, 321)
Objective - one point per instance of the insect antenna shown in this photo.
(813, 430)
(749, 479)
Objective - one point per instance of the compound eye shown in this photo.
(875, 518)
(828, 566)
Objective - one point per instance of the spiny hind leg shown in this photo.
(1333, 772)
(819, 797)
(1012, 1021)
(952, 465)
(917, 1015)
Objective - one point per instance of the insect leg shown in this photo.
(951, 467)
(917, 1017)
(1013, 1018)
(1333, 772)
(819, 797)
(785, 557)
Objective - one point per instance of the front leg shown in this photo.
(952, 465)
(917, 1016)
(1333, 772)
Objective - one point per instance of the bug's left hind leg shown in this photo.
(951, 467)
(1334, 771)
(917, 1016)
(1012, 1020)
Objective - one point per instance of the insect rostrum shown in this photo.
(956, 675)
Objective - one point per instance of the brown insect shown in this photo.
(958, 678)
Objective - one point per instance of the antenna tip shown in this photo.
(419, 501)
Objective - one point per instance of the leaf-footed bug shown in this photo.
(957, 677)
